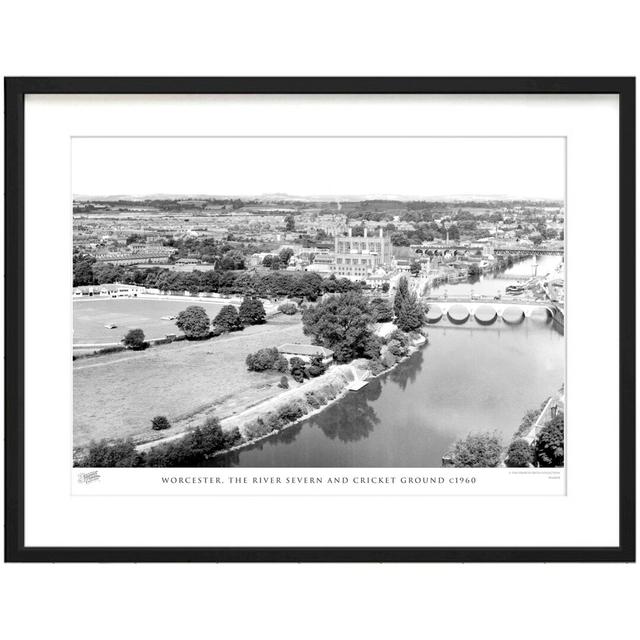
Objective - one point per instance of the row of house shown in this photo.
(114, 290)
(138, 253)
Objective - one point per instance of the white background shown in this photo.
(53, 517)
(403, 38)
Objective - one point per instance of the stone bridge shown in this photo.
(442, 250)
(471, 249)
(528, 251)
(486, 310)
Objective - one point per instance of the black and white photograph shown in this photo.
(326, 302)
(367, 312)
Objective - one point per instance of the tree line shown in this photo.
(344, 323)
(486, 449)
(279, 283)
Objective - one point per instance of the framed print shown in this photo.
(320, 319)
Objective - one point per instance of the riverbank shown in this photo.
(473, 378)
(253, 422)
(273, 415)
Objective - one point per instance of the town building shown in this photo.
(306, 352)
(256, 259)
(357, 257)
(112, 290)
(322, 263)
(138, 253)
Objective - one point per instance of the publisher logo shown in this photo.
(88, 477)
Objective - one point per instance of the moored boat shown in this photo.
(515, 289)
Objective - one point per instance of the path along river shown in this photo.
(468, 378)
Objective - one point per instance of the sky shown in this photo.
(511, 167)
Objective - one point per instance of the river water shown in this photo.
(468, 378)
(494, 283)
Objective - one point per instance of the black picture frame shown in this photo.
(15, 91)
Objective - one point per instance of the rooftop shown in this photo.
(305, 350)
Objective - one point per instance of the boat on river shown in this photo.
(515, 289)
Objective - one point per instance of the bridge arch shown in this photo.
(542, 313)
(458, 313)
(513, 315)
(434, 314)
(485, 314)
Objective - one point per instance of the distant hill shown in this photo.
(285, 197)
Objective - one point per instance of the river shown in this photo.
(494, 283)
(468, 378)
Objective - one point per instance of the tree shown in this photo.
(414, 268)
(410, 316)
(285, 255)
(308, 285)
(288, 308)
(407, 309)
(475, 270)
(330, 284)
(118, 453)
(519, 454)
(549, 445)
(289, 223)
(298, 369)
(477, 450)
(135, 339)
(195, 446)
(107, 272)
(317, 367)
(397, 348)
(284, 382)
(401, 293)
(232, 260)
(371, 346)
(228, 319)
(454, 232)
(340, 323)
(82, 270)
(159, 423)
(135, 237)
(266, 359)
(194, 321)
(380, 310)
(252, 311)
(399, 239)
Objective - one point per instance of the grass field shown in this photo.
(117, 395)
(90, 316)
